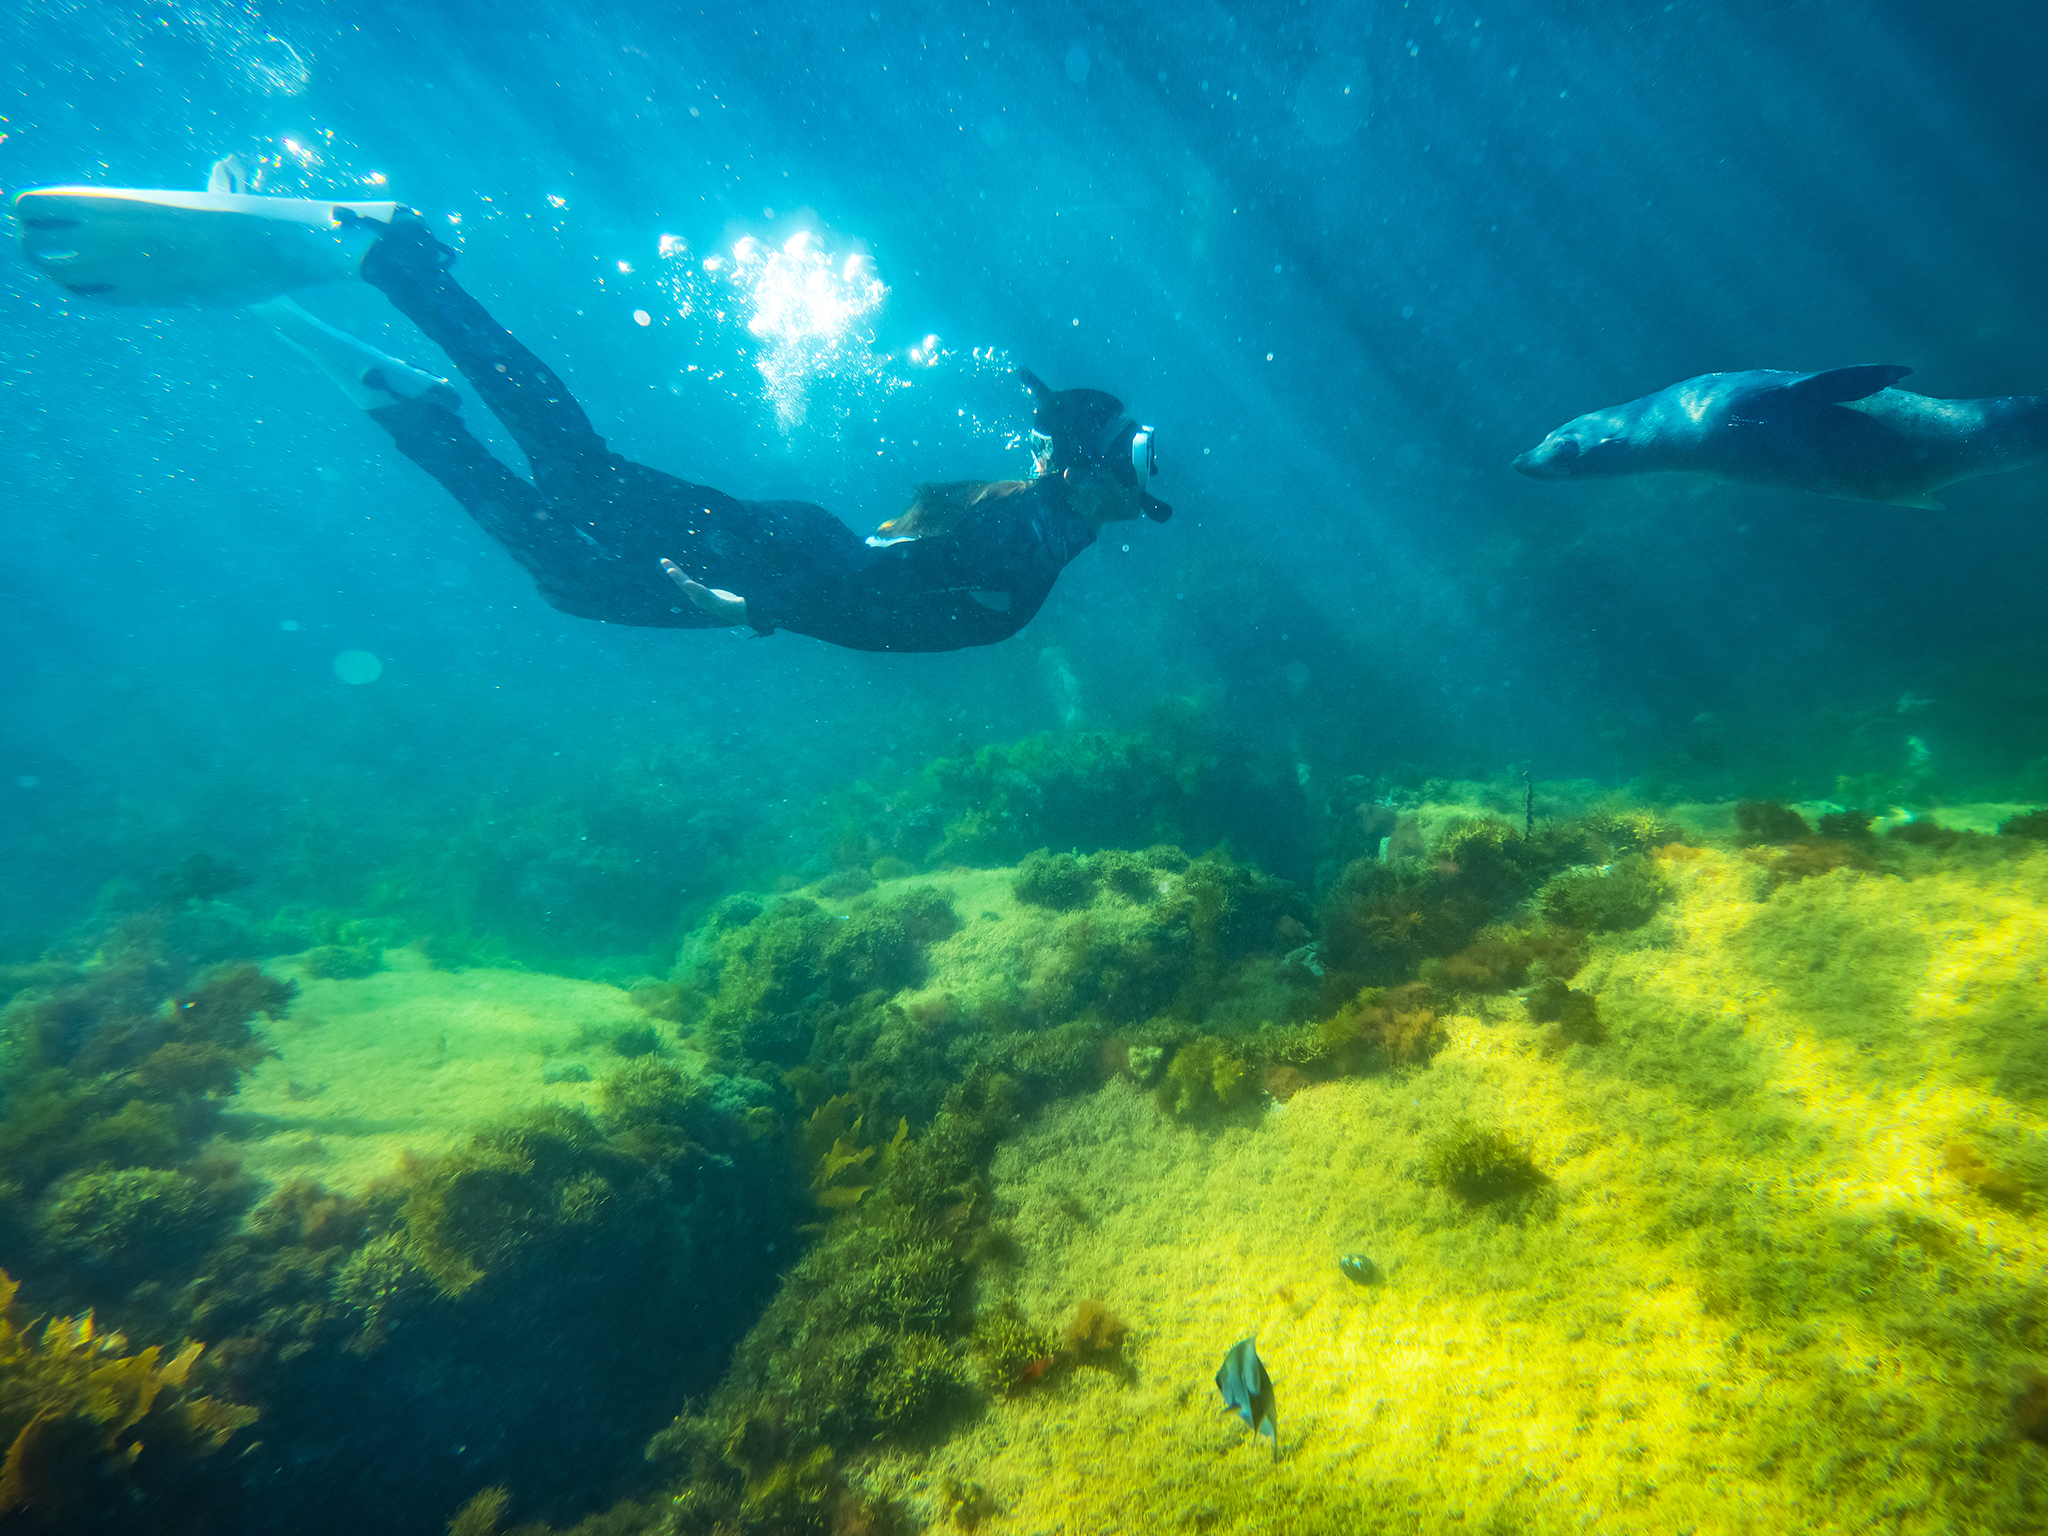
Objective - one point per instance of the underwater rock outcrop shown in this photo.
(605, 1256)
(1382, 919)
(116, 1076)
(568, 1276)
(795, 1154)
(1184, 783)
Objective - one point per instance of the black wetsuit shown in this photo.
(592, 527)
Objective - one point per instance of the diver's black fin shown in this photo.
(1834, 386)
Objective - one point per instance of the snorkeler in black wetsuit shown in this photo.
(604, 538)
(598, 532)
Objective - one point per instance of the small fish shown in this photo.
(1360, 1269)
(1249, 1391)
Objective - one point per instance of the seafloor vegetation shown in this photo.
(1687, 1164)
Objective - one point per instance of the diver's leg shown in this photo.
(410, 267)
(573, 573)
(368, 377)
(419, 411)
(626, 517)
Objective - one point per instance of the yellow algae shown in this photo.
(1763, 1289)
(416, 1059)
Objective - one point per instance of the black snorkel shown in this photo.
(1089, 429)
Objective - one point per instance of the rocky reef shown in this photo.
(893, 1168)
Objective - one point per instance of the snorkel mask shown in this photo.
(1087, 429)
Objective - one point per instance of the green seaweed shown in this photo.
(1380, 1027)
(1576, 1014)
(1206, 1080)
(342, 962)
(1010, 1352)
(635, 1040)
(118, 1073)
(1499, 959)
(1059, 881)
(129, 1222)
(1766, 821)
(917, 1382)
(1482, 1166)
(864, 1340)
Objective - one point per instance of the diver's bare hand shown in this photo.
(724, 606)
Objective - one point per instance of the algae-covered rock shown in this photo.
(843, 883)
(1380, 1027)
(377, 1279)
(342, 962)
(864, 1340)
(771, 973)
(129, 1220)
(1056, 880)
(1607, 898)
(871, 951)
(1133, 876)
(2032, 826)
(635, 1040)
(925, 912)
(1766, 821)
(118, 1075)
(1382, 921)
(917, 1378)
(1184, 783)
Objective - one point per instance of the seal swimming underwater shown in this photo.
(1843, 432)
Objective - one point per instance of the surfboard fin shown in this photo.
(1837, 386)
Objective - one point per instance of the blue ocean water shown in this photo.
(1522, 213)
(1349, 257)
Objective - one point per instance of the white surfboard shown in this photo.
(219, 248)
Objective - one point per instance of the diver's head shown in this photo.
(1084, 434)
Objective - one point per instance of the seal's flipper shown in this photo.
(155, 247)
(1837, 386)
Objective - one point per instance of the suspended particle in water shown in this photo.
(357, 667)
(1333, 99)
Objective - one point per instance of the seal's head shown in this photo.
(1587, 448)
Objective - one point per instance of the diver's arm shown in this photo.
(719, 604)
